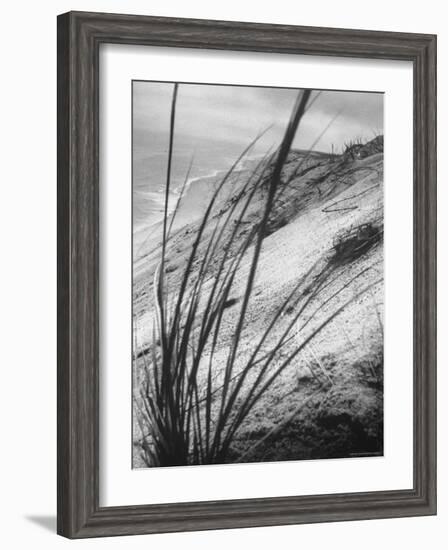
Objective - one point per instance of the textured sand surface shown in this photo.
(328, 401)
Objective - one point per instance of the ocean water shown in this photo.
(150, 173)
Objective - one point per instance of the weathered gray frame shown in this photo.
(79, 38)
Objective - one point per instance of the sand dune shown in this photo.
(323, 198)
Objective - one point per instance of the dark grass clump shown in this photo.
(354, 243)
(274, 225)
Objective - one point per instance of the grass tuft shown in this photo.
(351, 244)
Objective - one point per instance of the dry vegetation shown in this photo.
(258, 327)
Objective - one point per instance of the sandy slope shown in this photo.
(334, 386)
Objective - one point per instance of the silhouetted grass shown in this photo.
(188, 414)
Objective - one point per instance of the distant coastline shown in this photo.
(195, 194)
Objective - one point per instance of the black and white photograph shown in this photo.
(257, 274)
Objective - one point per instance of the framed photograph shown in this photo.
(246, 274)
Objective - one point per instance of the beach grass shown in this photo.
(187, 414)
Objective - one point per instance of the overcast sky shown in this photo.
(236, 114)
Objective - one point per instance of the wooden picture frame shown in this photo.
(79, 38)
